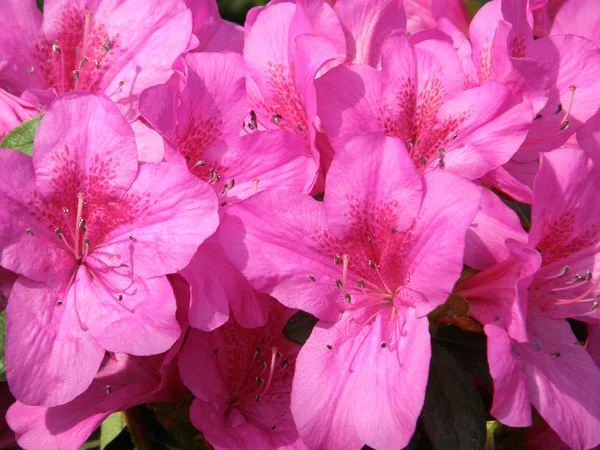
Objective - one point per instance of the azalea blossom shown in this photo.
(204, 126)
(115, 48)
(419, 98)
(243, 390)
(92, 235)
(361, 262)
(534, 356)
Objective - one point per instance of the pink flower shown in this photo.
(203, 124)
(383, 250)
(419, 98)
(533, 355)
(286, 46)
(91, 233)
(243, 388)
(122, 382)
(118, 49)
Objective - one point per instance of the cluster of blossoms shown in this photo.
(196, 187)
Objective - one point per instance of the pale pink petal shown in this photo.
(44, 339)
(164, 217)
(366, 25)
(356, 391)
(84, 145)
(138, 319)
(493, 225)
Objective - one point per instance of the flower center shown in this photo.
(78, 57)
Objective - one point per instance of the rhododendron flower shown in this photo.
(419, 98)
(103, 46)
(286, 46)
(243, 389)
(368, 253)
(91, 233)
(204, 125)
(579, 17)
(122, 382)
(534, 356)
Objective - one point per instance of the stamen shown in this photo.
(423, 160)
(562, 272)
(563, 124)
(86, 33)
(329, 346)
(253, 124)
(31, 70)
(441, 153)
(454, 136)
(199, 164)
(255, 183)
(86, 247)
(339, 283)
(581, 298)
(131, 237)
(108, 389)
(29, 232)
(274, 352)
(276, 118)
(345, 260)
(80, 199)
(383, 345)
(231, 183)
(312, 278)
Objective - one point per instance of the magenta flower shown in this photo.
(203, 124)
(577, 17)
(419, 98)
(92, 233)
(287, 45)
(118, 49)
(367, 253)
(243, 389)
(534, 356)
(122, 382)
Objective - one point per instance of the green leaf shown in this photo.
(2, 344)
(21, 138)
(453, 415)
(40, 5)
(111, 428)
